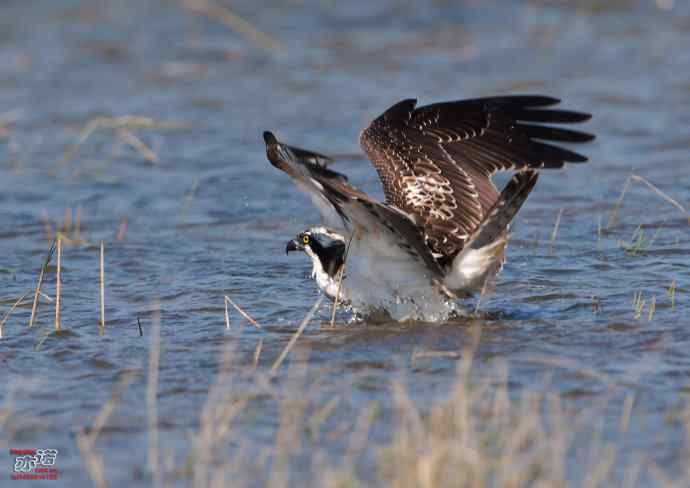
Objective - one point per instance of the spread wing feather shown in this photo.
(343, 205)
(435, 162)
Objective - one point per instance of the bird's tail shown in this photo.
(485, 251)
(503, 211)
(475, 268)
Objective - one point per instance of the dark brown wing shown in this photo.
(341, 204)
(435, 162)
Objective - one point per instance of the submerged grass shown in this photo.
(640, 242)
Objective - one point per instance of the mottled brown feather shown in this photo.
(435, 162)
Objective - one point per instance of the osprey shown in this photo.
(442, 231)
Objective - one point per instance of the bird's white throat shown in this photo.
(328, 284)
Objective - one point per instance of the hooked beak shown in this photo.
(293, 245)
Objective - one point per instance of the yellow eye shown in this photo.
(305, 239)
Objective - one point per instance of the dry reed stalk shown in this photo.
(66, 239)
(114, 123)
(652, 309)
(47, 297)
(423, 354)
(322, 414)
(257, 353)
(40, 342)
(67, 224)
(152, 397)
(227, 315)
(39, 284)
(122, 229)
(573, 366)
(525, 431)
(77, 227)
(561, 435)
(47, 226)
(147, 153)
(360, 435)
(215, 420)
(86, 441)
(632, 474)
(615, 212)
(661, 194)
(243, 313)
(9, 312)
(296, 335)
(599, 229)
(189, 198)
(487, 288)
(108, 407)
(94, 463)
(102, 287)
(57, 283)
(235, 23)
(638, 304)
(292, 416)
(409, 413)
(627, 412)
(605, 459)
(69, 231)
(554, 234)
(613, 218)
(672, 294)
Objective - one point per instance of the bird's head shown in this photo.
(325, 247)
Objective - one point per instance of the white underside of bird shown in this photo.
(380, 276)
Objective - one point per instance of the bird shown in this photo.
(442, 230)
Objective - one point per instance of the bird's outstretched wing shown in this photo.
(382, 229)
(311, 157)
(435, 162)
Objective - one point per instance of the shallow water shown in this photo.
(211, 217)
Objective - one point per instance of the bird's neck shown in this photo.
(327, 260)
